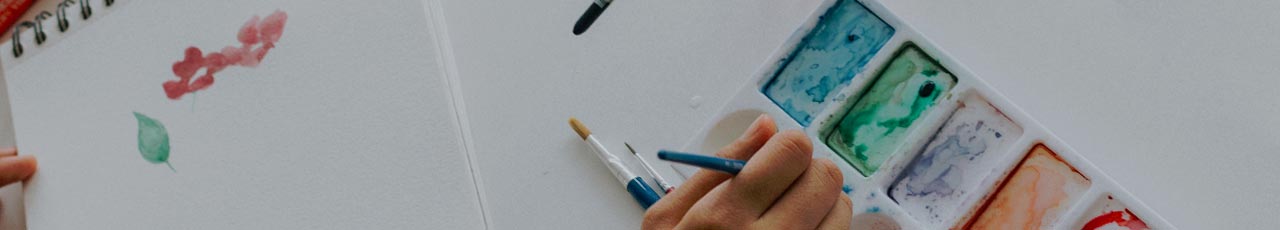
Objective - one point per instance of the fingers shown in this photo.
(809, 200)
(672, 207)
(10, 151)
(751, 140)
(769, 173)
(16, 168)
(840, 217)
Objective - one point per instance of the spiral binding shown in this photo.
(37, 25)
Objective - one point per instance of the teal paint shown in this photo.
(153, 140)
(845, 38)
(876, 125)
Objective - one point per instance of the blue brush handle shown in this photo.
(729, 166)
(642, 192)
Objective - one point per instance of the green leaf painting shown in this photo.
(153, 140)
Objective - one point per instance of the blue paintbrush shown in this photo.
(730, 166)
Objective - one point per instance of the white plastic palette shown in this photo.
(932, 178)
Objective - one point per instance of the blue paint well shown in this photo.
(826, 60)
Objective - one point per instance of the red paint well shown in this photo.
(1121, 218)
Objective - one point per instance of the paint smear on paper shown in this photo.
(1110, 214)
(954, 163)
(1035, 195)
(876, 126)
(153, 140)
(835, 50)
(257, 37)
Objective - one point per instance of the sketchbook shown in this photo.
(265, 114)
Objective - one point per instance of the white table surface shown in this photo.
(1173, 99)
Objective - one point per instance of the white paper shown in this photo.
(348, 123)
(648, 73)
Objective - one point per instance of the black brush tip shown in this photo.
(587, 19)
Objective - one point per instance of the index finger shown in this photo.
(669, 210)
(770, 172)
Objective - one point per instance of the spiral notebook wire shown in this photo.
(34, 33)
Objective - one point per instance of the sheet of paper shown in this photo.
(11, 209)
(318, 115)
(12, 215)
(649, 73)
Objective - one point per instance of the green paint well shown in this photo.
(877, 124)
(153, 140)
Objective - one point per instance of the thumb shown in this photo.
(16, 168)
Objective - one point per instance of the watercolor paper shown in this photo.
(876, 126)
(833, 52)
(1035, 195)
(954, 163)
(1109, 214)
(348, 122)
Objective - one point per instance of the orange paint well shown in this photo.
(1034, 195)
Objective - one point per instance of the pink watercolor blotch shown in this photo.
(257, 37)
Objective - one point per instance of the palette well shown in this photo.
(959, 160)
(922, 142)
(873, 130)
(1035, 195)
(1108, 213)
(827, 61)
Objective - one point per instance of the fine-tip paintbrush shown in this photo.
(634, 185)
(666, 187)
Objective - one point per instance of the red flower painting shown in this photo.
(257, 37)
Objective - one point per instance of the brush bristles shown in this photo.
(633, 151)
(579, 128)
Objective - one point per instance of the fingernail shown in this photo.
(31, 161)
(753, 128)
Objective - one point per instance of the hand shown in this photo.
(14, 168)
(782, 186)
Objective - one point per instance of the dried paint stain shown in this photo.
(257, 37)
(1035, 195)
(835, 50)
(954, 163)
(876, 126)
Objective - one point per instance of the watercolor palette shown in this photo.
(921, 141)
